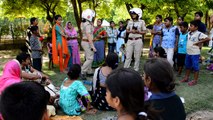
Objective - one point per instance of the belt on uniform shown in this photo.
(86, 40)
(135, 38)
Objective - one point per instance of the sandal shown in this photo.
(192, 83)
(184, 80)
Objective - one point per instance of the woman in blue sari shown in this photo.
(99, 37)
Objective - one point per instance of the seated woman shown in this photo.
(99, 79)
(11, 74)
(125, 93)
(71, 88)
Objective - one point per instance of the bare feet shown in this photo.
(91, 111)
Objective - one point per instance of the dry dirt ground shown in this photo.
(201, 115)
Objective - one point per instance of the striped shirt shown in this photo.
(35, 45)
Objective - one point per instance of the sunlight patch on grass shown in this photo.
(50, 73)
(206, 48)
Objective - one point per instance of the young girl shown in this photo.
(125, 93)
(158, 26)
(60, 53)
(162, 86)
(121, 36)
(99, 79)
(69, 91)
(123, 51)
(49, 47)
(159, 52)
(112, 37)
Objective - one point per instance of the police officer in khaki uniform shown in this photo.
(87, 40)
(136, 29)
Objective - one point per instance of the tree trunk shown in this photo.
(12, 33)
(143, 7)
(184, 15)
(176, 10)
(49, 18)
(93, 5)
(80, 8)
(77, 17)
(0, 34)
(128, 7)
(206, 17)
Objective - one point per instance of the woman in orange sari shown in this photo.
(60, 52)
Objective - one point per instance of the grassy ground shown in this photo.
(197, 98)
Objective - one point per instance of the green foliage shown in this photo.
(69, 17)
(104, 11)
(173, 8)
(4, 27)
(115, 10)
(28, 8)
(15, 28)
(121, 14)
(209, 4)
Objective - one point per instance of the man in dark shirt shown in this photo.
(202, 26)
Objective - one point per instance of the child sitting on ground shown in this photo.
(162, 86)
(159, 52)
(70, 89)
(194, 42)
(125, 93)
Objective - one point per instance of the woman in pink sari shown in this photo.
(11, 74)
(72, 44)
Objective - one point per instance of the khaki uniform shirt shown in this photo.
(87, 28)
(140, 25)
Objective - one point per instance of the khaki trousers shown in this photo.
(89, 54)
(136, 46)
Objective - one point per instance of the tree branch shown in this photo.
(75, 8)
(128, 6)
(143, 7)
(184, 15)
(53, 8)
(176, 9)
